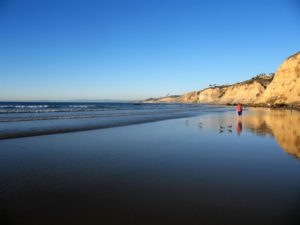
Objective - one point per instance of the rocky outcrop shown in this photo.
(285, 87)
(282, 89)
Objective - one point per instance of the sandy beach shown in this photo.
(209, 169)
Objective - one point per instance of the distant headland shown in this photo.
(281, 89)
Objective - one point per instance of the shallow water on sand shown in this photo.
(211, 169)
(40, 118)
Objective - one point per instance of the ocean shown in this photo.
(19, 119)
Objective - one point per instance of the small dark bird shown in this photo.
(221, 131)
(221, 127)
(230, 126)
(229, 130)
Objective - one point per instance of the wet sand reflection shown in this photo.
(239, 127)
(282, 124)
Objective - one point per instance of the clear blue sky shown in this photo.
(80, 49)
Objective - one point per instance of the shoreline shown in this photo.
(17, 129)
(74, 130)
(266, 106)
(39, 128)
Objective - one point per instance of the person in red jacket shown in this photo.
(239, 109)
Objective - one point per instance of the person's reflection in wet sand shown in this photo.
(239, 126)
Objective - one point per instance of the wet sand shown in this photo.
(212, 169)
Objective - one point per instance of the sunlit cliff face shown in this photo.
(285, 87)
(284, 125)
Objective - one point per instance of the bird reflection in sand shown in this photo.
(186, 123)
(224, 128)
(221, 130)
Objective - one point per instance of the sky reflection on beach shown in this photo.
(179, 171)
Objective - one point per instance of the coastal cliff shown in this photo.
(285, 87)
(245, 92)
(281, 89)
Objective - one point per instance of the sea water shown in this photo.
(18, 119)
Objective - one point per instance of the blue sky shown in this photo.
(129, 50)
